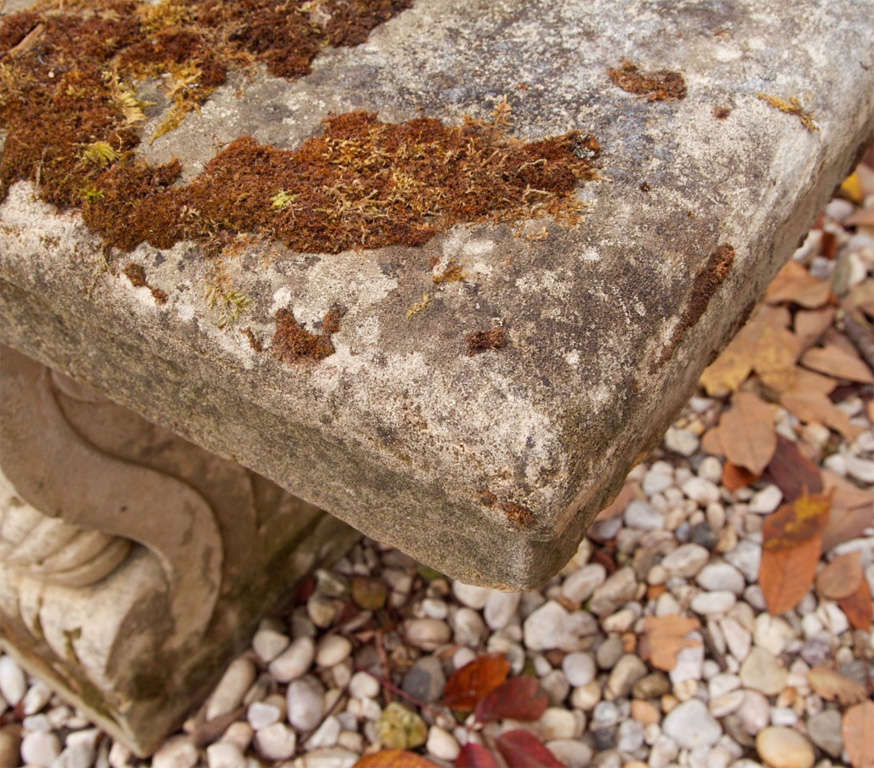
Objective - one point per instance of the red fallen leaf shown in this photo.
(735, 477)
(791, 546)
(475, 756)
(394, 758)
(521, 698)
(521, 749)
(475, 680)
(792, 472)
(858, 606)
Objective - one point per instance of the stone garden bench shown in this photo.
(414, 316)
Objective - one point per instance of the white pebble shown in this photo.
(690, 725)
(681, 441)
(721, 577)
(231, 688)
(500, 608)
(326, 735)
(713, 603)
(710, 469)
(40, 748)
(640, 515)
(260, 715)
(557, 723)
(658, 478)
(442, 744)
(294, 661)
(861, 469)
(766, 501)
(469, 627)
(224, 754)
(579, 586)
(37, 696)
(701, 491)
(13, 684)
(686, 560)
(427, 634)
(268, 643)
(332, 650)
(276, 742)
(306, 703)
(470, 595)
(363, 686)
(572, 752)
(330, 757)
(176, 752)
(772, 633)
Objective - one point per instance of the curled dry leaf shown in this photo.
(852, 510)
(836, 362)
(665, 636)
(841, 577)
(735, 477)
(521, 749)
(474, 755)
(833, 686)
(394, 758)
(792, 472)
(791, 546)
(811, 324)
(795, 284)
(521, 698)
(858, 606)
(858, 734)
(746, 432)
(475, 680)
(812, 406)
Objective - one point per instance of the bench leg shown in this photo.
(133, 564)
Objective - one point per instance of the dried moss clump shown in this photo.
(662, 85)
(67, 71)
(480, 341)
(293, 343)
(791, 106)
(363, 183)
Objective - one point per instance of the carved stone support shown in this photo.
(133, 564)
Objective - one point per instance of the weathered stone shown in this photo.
(151, 545)
(500, 490)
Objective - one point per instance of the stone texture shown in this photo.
(109, 598)
(598, 357)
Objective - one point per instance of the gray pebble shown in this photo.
(425, 680)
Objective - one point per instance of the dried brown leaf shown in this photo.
(747, 433)
(852, 511)
(393, 758)
(858, 732)
(811, 324)
(735, 477)
(711, 442)
(833, 686)
(792, 472)
(811, 406)
(475, 680)
(858, 606)
(795, 284)
(838, 363)
(665, 637)
(841, 577)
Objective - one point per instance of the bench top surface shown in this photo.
(474, 399)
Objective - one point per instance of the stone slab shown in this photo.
(487, 467)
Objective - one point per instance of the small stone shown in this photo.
(322, 610)
(663, 752)
(772, 633)
(710, 469)
(268, 643)
(294, 661)
(239, 733)
(330, 757)
(725, 704)
(435, 609)
(119, 755)
(722, 684)
(579, 586)
(401, 728)
(425, 680)
(332, 650)
(825, 731)
(276, 742)
(689, 662)
(765, 501)
(471, 596)
(640, 515)
(37, 696)
(326, 735)
(427, 634)
(500, 608)
(551, 626)
(571, 752)
(587, 696)
(763, 672)
(176, 752)
(701, 491)
(659, 478)
(13, 684)
(363, 686)
(703, 535)
(369, 593)
(686, 560)
(579, 668)
(442, 744)
(260, 715)
(469, 628)
(223, 754)
(628, 670)
(654, 685)
(644, 712)
(754, 713)
(229, 693)
(746, 557)
(690, 725)
(738, 639)
(556, 686)
(861, 469)
(558, 723)
(783, 747)
(721, 577)
(630, 736)
(605, 715)
(305, 700)
(681, 441)
(713, 603)
(609, 652)
(783, 716)
(618, 589)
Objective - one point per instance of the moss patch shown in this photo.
(292, 343)
(480, 341)
(662, 85)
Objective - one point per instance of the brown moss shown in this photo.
(292, 343)
(706, 281)
(791, 106)
(720, 113)
(480, 341)
(254, 341)
(136, 274)
(662, 85)
(517, 514)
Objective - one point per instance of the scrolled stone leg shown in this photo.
(133, 564)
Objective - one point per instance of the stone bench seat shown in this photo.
(470, 385)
